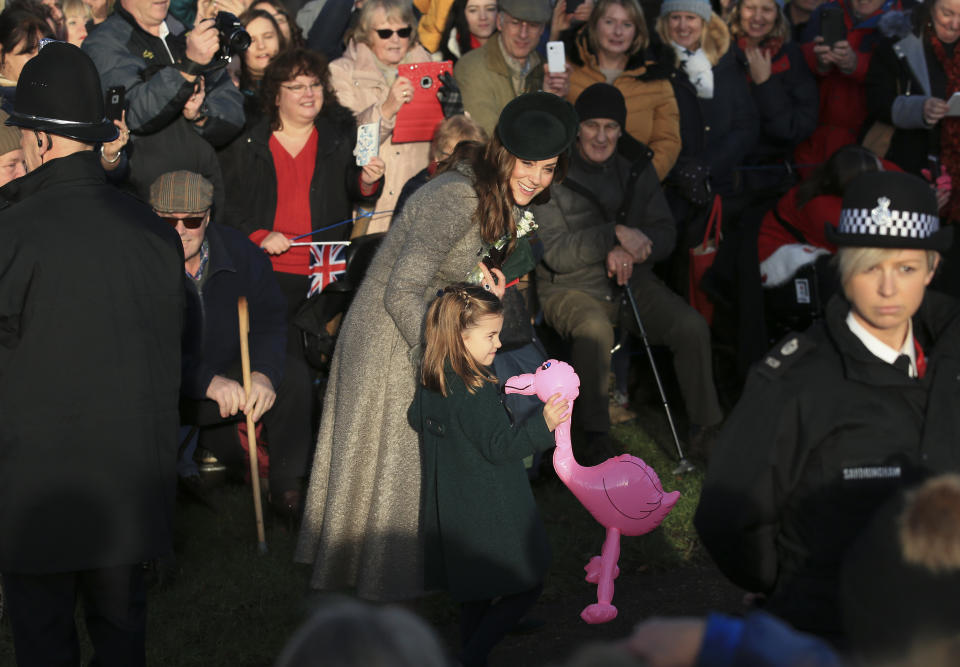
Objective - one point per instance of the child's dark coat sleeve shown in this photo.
(484, 421)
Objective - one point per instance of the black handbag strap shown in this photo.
(794, 232)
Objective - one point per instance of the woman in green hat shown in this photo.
(470, 223)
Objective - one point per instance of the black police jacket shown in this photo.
(824, 433)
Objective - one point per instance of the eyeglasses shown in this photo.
(387, 33)
(301, 88)
(190, 222)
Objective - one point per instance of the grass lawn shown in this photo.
(228, 605)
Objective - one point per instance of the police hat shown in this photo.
(890, 209)
(59, 92)
(537, 126)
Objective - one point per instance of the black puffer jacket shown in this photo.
(720, 131)
(824, 433)
(788, 104)
(147, 67)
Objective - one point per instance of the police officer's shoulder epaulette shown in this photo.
(785, 354)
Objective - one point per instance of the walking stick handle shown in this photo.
(243, 316)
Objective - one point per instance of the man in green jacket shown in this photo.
(605, 226)
(508, 65)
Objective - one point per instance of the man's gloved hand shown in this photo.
(451, 102)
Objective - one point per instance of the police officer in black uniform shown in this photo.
(91, 308)
(835, 420)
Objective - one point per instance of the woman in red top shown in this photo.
(294, 172)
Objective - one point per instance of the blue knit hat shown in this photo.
(699, 7)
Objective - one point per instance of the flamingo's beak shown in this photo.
(525, 384)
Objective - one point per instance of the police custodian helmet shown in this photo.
(59, 92)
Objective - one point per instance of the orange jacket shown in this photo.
(652, 114)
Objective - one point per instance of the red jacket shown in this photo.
(843, 104)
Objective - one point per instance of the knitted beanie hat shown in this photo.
(601, 100)
(699, 7)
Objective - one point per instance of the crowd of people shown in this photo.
(225, 149)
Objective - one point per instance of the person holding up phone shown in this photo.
(909, 84)
(838, 43)
(367, 82)
(508, 65)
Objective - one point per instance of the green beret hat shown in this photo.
(537, 126)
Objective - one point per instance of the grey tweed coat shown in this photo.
(361, 523)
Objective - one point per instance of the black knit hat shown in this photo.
(601, 100)
(890, 209)
(537, 126)
(59, 92)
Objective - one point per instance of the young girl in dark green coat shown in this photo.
(485, 542)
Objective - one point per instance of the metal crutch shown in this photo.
(683, 465)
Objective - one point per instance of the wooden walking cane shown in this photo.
(244, 316)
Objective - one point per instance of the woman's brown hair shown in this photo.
(287, 66)
(641, 39)
(456, 309)
(492, 166)
(246, 79)
(780, 29)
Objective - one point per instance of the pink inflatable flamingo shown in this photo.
(622, 493)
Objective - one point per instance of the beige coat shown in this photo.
(362, 88)
(486, 84)
(361, 525)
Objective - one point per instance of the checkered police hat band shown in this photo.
(881, 221)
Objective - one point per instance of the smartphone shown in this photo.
(556, 60)
(954, 104)
(114, 103)
(832, 26)
(368, 142)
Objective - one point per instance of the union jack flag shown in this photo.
(327, 263)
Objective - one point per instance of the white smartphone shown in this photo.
(954, 104)
(556, 60)
(368, 142)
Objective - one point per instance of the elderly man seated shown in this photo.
(507, 65)
(605, 227)
(221, 265)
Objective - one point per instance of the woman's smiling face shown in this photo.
(685, 29)
(529, 178)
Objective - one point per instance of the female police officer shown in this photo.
(834, 420)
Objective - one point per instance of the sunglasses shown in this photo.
(386, 33)
(190, 222)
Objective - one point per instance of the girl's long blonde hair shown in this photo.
(456, 309)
